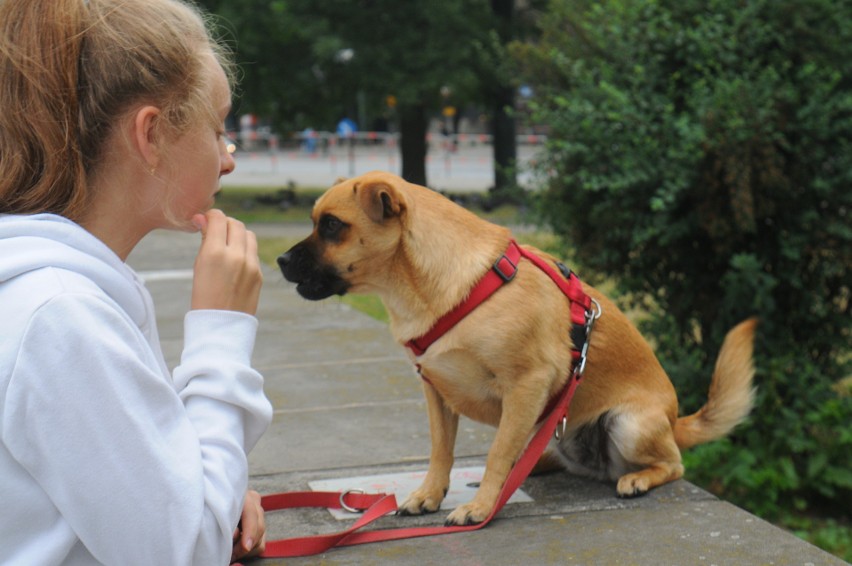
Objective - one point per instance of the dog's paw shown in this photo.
(420, 502)
(632, 485)
(468, 514)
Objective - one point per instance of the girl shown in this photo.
(111, 123)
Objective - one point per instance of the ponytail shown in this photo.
(40, 156)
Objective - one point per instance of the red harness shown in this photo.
(376, 506)
(502, 272)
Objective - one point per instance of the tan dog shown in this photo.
(501, 365)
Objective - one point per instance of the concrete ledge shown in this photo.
(571, 521)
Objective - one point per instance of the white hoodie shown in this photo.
(105, 457)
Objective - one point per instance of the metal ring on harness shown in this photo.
(559, 433)
(595, 315)
(349, 508)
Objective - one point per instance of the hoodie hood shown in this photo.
(31, 242)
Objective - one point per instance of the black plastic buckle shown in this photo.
(505, 276)
(566, 272)
(578, 336)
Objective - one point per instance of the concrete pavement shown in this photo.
(348, 405)
(470, 169)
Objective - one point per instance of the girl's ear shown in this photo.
(145, 137)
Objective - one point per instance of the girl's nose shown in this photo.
(228, 162)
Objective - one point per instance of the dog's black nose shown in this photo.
(284, 260)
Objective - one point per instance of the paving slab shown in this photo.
(348, 404)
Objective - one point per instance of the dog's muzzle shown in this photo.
(313, 280)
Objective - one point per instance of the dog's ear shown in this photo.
(379, 200)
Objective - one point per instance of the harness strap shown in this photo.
(571, 287)
(502, 271)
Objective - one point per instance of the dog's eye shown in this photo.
(330, 226)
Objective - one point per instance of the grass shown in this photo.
(270, 248)
(253, 205)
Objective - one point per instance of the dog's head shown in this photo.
(357, 226)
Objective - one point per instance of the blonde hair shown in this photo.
(70, 68)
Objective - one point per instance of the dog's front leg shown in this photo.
(443, 424)
(520, 410)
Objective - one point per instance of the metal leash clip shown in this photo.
(592, 315)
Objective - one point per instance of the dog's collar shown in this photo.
(503, 271)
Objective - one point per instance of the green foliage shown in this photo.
(828, 534)
(308, 63)
(405, 49)
(701, 153)
(274, 53)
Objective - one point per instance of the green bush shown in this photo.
(700, 152)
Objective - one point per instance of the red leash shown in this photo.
(376, 506)
(379, 505)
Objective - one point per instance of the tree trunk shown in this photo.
(412, 142)
(503, 97)
(505, 146)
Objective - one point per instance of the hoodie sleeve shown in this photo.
(113, 442)
(221, 394)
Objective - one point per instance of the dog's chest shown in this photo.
(466, 386)
(462, 374)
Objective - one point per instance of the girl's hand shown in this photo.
(250, 535)
(227, 269)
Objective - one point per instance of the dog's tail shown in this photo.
(731, 393)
